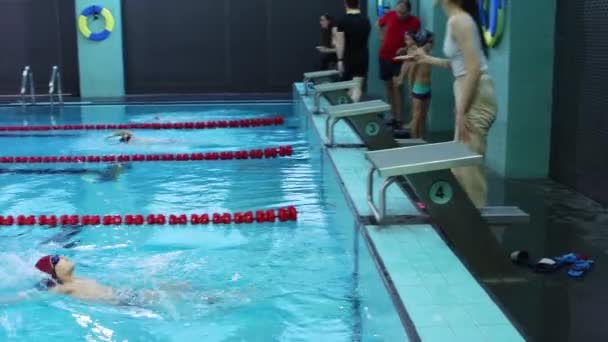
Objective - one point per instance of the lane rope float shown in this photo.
(242, 123)
(267, 153)
(94, 11)
(283, 214)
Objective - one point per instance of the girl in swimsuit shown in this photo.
(420, 86)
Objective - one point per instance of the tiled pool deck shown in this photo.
(443, 300)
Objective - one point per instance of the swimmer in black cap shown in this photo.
(126, 137)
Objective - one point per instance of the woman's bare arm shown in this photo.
(438, 62)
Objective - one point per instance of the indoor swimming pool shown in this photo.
(305, 280)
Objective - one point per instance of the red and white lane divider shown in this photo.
(242, 123)
(267, 153)
(284, 214)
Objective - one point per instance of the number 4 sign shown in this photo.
(441, 192)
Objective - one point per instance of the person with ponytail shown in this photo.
(475, 97)
(327, 49)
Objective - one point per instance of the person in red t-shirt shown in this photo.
(393, 27)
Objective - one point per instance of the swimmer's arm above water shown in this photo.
(118, 134)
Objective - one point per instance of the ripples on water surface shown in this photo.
(264, 282)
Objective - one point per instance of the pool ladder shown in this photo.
(27, 83)
(55, 83)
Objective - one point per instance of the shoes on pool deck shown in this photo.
(544, 265)
(579, 268)
(579, 263)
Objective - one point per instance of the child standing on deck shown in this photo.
(410, 47)
(419, 79)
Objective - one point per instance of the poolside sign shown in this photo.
(372, 129)
(441, 192)
(342, 100)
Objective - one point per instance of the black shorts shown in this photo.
(388, 69)
(422, 96)
(354, 69)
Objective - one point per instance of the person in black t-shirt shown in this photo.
(352, 48)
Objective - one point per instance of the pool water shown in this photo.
(283, 281)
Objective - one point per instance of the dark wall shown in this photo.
(194, 46)
(41, 34)
(579, 151)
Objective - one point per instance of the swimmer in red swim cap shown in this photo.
(61, 271)
(62, 280)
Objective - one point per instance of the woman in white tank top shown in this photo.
(474, 93)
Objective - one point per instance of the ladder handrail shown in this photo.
(27, 76)
(55, 81)
(24, 75)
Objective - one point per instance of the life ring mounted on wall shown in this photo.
(382, 6)
(492, 16)
(95, 11)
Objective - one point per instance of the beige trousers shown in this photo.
(479, 119)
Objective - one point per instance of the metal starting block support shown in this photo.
(397, 162)
(317, 77)
(411, 142)
(339, 112)
(339, 88)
